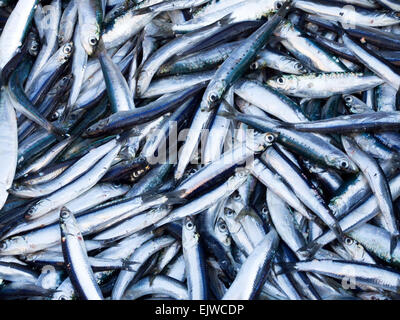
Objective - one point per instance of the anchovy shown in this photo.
(75, 255)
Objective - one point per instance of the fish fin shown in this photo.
(129, 265)
(304, 100)
(317, 221)
(309, 250)
(226, 19)
(58, 132)
(275, 40)
(246, 211)
(337, 230)
(143, 10)
(230, 112)
(175, 197)
(137, 49)
(341, 31)
(110, 242)
(177, 181)
(286, 267)
(226, 114)
(123, 137)
(100, 49)
(152, 277)
(66, 114)
(166, 27)
(285, 125)
(393, 243)
(107, 243)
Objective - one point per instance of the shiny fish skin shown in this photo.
(233, 67)
(377, 181)
(324, 85)
(244, 288)
(335, 11)
(157, 59)
(69, 175)
(9, 145)
(90, 17)
(14, 32)
(75, 256)
(362, 122)
(381, 277)
(377, 65)
(77, 187)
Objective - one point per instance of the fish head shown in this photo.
(356, 250)
(65, 82)
(65, 52)
(285, 29)
(235, 202)
(190, 236)
(58, 112)
(90, 37)
(229, 217)
(95, 129)
(342, 163)
(33, 44)
(214, 93)
(298, 67)
(36, 208)
(264, 140)
(68, 222)
(14, 246)
(236, 180)
(222, 233)
(284, 83)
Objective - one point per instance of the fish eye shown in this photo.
(3, 245)
(213, 97)
(67, 49)
(135, 174)
(278, 5)
(348, 241)
(348, 99)
(298, 66)
(240, 174)
(229, 212)
(189, 225)
(254, 66)
(264, 210)
(280, 80)
(55, 116)
(64, 214)
(269, 138)
(222, 226)
(92, 41)
(237, 197)
(344, 164)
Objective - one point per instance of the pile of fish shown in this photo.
(199, 149)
